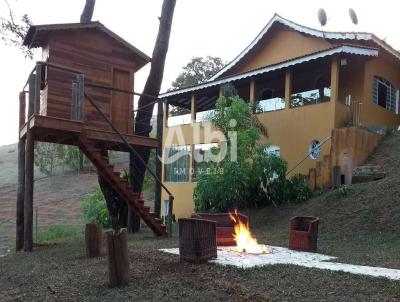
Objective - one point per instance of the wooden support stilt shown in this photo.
(19, 238)
(19, 234)
(28, 196)
(29, 172)
(118, 261)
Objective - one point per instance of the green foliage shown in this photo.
(73, 157)
(58, 232)
(49, 156)
(197, 71)
(255, 179)
(344, 190)
(13, 31)
(95, 209)
(298, 191)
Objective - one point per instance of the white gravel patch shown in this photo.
(282, 255)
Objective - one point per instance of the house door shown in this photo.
(121, 102)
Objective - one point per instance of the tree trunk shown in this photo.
(118, 261)
(93, 240)
(87, 12)
(157, 195)
(152, 87)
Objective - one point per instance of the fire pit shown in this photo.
(245, 240)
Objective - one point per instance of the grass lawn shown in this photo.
(61, 272)
(359, 227)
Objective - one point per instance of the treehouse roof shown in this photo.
(39, 35)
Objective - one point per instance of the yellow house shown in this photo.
(307, 82)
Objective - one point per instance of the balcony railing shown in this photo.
(270, 105)
(204, 116)
(310, 97)
(177, 120)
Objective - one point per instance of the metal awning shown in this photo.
(182, 97)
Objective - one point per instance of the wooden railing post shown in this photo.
(80, 80)
(38, 83)
(77, 98)
(22, 105)
(32, 93)
(74, 101)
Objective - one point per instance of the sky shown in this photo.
(200, 27)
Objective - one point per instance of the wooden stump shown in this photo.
(118, 262)
(93, 238)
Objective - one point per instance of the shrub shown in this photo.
(95, 209)
(255, 179)
(297, 189)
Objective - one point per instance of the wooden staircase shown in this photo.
(120, 186)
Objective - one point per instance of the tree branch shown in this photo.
(87, 13)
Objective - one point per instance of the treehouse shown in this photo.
(81, 94)
(81, 59)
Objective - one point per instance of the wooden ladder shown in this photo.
(120, 186)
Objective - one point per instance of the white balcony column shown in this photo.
(288, 87)
(193, 108)
(252, 96)
(165, 118)
(221, 91)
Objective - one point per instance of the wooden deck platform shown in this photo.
(63, 131)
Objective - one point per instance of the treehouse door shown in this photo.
(121, 103)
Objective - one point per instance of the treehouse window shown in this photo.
(385, 94)
(177, 164)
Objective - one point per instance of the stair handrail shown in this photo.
(308, 154)
(159, 182)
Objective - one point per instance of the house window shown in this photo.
(385, 94)
(177, 164)
(272, 150)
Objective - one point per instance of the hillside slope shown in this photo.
(361, 225)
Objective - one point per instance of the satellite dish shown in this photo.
(322, 18)
(353, 16)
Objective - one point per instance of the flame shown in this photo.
(245, 241)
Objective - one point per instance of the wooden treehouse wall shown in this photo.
(104, 62)
(353, 143)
